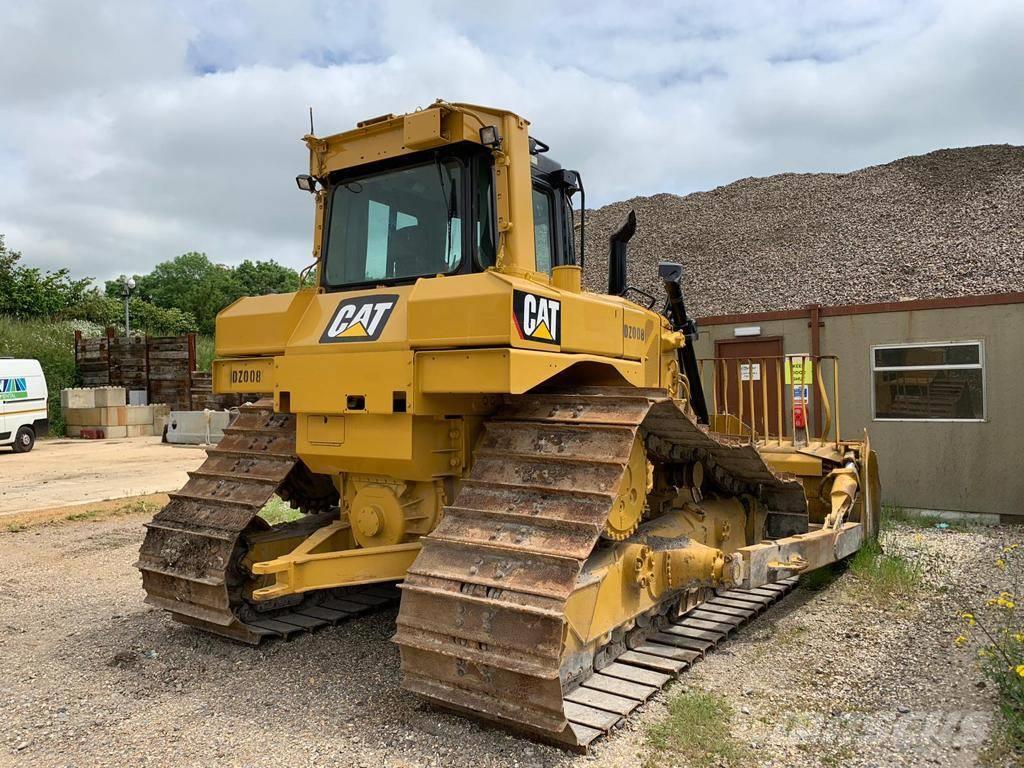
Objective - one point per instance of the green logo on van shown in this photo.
(13, 389)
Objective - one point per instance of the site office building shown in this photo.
(938, 384)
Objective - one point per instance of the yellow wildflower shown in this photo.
(1001, 564)
(960, 641)
(969, 618)
(1002, 602)
(1019, 637)
(1020, 670)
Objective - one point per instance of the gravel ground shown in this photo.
(938, 225)
(90, 676)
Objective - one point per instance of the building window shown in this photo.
(943, 381)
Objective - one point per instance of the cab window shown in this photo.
(485, 215)
(396, 225)
(543, 230)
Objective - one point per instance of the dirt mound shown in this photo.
(949, 223)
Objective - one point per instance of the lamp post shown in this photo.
(129, 286)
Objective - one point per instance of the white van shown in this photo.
(22, 403)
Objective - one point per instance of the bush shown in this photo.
(145, 317)
(158, 321)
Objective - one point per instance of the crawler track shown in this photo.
(482, 622)
(604, 699)
(191, 558)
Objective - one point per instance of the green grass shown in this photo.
(78, 517)
(884, 577)
(695, 732)
(204, 352)
(131, 508)
(277, 511)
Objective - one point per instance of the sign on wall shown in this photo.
(799, 369)
(750, 370)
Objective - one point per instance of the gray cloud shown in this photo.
(131, 132)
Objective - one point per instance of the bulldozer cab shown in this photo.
(433, 213)
(466, 190)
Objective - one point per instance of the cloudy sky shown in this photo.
(133, 131)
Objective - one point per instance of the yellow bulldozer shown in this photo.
(535, 463)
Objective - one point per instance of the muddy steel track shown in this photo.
(482, 617)
(191, 556)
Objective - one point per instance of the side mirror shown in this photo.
(617, 255)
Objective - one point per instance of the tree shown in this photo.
(197, 287)
(190, 283)
(262, 277)
(30, 292)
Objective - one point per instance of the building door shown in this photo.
(745, 362)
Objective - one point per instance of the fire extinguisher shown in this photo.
(798, 415)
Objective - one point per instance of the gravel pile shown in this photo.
(91, 676)
(949, 223)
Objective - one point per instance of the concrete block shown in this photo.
(160, 409)
(115, 416)
(110, 396)
(197, 427)
(138, 397)
(160, 423)
(115, 432)
(140, 430)
(93, 433)
(137, 415)
(83, 417)
(77, 398)
(73, 430)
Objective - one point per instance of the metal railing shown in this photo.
(739, 391)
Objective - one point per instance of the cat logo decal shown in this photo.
(537, 318)
(360, 319)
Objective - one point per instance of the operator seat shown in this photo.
(411, 253)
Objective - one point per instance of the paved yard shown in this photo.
(66, 473)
